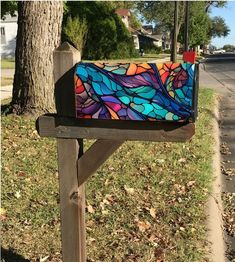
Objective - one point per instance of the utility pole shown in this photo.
(175, 34)
(186, 25)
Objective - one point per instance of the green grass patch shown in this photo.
(6, 81)
(147, 202)
(144, 59)
(7, 63)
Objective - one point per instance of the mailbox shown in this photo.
(189, 56)
(136, 91)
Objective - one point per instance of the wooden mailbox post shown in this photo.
(75, 166)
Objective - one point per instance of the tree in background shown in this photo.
(201, 27)
(229, 48)
(8, 7)
(162, 14)
(107, 36)
(219, 27)
(210, 4)
(39, 31)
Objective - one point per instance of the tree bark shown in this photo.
(39, 32)
(175, 33)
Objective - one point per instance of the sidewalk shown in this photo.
(207, 80)
(6, 92)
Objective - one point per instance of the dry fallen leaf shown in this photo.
(152, 238)
(191, 183)
(129, 190)
(7, 169)
(160, 161)
(90, 209)
(182, 160)
(2, 213)
(91, 240)
(44, 259)
(152, 212)
(21, 174)
(105, 212)
(35, 134)
(17, 194)
(107, 182)
(142, 225)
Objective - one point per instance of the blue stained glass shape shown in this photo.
(135, 91)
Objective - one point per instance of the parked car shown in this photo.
(219, 51)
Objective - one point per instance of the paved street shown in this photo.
(221, 70)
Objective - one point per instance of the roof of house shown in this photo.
(133, 31)
(123, 12)
(148, 27)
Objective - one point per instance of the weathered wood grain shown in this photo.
(95, 156)
(72, 201)
(72, 196)
(54, 126)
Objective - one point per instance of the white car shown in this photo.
(219, 51)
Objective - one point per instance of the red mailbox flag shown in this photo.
(189, 56)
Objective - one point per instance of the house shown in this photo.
(155, 38)
(124, 14)
(146, 37)
(135, 35)
(8, 29)
(148, 29)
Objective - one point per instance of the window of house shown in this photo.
(3, 36)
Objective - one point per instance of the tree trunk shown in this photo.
(175, 33)
(39, 31)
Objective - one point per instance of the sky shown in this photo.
(228, 13)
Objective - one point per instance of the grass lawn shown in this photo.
(6, 81)
(7, 63)
(146, 204)
(145, 58)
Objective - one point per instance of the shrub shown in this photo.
(167, 51)
(107, 35)
(75, 31)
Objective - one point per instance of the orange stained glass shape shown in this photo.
(159, 66)
(99, 64)
(113, 114)
(145, 65)
(174, 65)
(140, 70)
(132, 69)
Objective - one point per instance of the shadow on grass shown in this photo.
(6, 108)
(10, 256)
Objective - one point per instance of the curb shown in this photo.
(214, 205)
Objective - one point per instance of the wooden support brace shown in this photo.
(95, 156)
(72, 201)
(74, 168)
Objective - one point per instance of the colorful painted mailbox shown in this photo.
(114, 103)
(141, 92)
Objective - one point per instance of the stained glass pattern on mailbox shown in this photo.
(131, 91)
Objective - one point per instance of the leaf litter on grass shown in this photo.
(146, 203)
